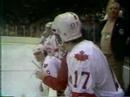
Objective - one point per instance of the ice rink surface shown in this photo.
(17, 70)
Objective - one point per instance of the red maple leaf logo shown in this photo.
(81, 56)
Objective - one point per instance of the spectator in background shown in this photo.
(113, 36)
(125, 6)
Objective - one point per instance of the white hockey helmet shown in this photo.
(68, 26)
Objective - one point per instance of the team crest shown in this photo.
(81, 56)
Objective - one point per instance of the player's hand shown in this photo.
(41, 74)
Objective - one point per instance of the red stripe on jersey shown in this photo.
(54, 83)
(75, 94)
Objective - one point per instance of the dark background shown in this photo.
(27, 11)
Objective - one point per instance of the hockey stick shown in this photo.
(36, 64)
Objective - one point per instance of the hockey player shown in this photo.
(39, 52)
(44, 55)
(51, 61)
(84, 71)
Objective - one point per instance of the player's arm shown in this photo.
(60, 82)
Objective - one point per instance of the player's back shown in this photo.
(80, 70)
(89, 71)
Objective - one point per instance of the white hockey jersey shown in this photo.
(89, 72)
(51, 65)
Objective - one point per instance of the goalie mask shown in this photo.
(68, 26)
